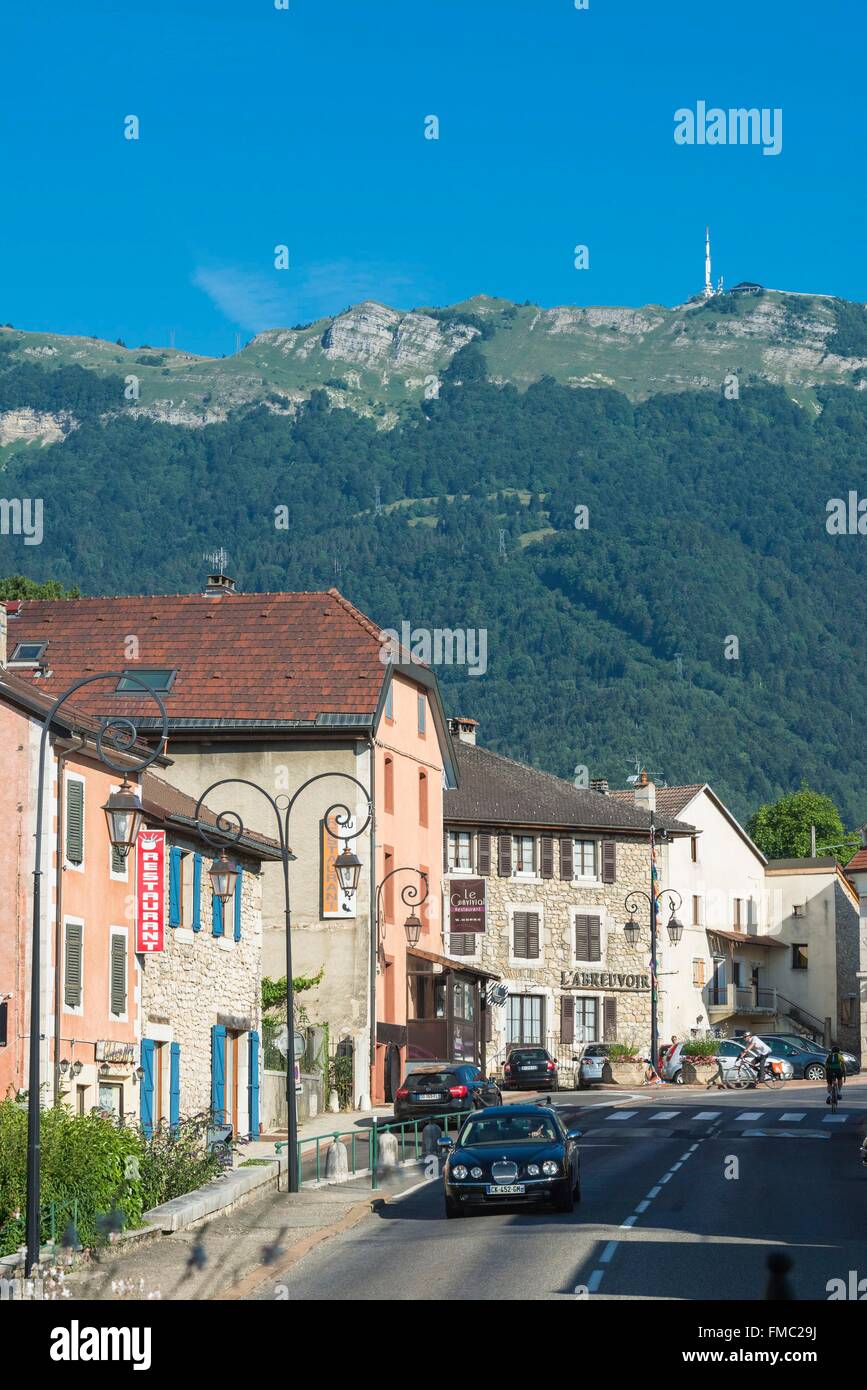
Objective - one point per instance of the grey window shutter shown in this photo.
(532, 935)
(567, 859)
(547, 857)
(595, 939)
(484, 854)
(445, 851)
(582, 938)
(118, 974)
(75, 822)
(609, 1025)
(504, 856)
(609, 861)
(567, 1019)
(462, 943)
(73, 965)
(519, 934)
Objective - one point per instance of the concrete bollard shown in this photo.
(336, 1161)
(312, 1105)
(430, 1137)
(364, 1104)
(333, 1103)
(387, 1150)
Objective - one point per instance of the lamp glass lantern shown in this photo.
(123, 814)
(223, 875)
(412, 927)
(632, 931)
(347, 866)
(675, 929)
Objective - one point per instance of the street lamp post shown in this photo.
(409, 896)
(632, 929)
(123, 817)
(230, 828)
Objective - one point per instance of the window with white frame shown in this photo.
(586, 1019)
(584, 859)
(460, 849)
(524, 855)
(526, 1019)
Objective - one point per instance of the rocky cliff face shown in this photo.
(35, 426)
(372, 334)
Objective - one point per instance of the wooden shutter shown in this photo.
(609, 861)
(588, 938)
(73, 965)
(567, 1019)
(74, 821)
(197, 892)
(698, 974)
(484, 854)
(174, 886)
(237, 924)
(609, 1024)
(547, 857)
(217, 928)
(445, 851)
(146, 1086)
(462, 943)
(4, 1024)
(253, 1086)
(504, 856)
(118, 861)
(118, 974)
(567, 859)
(175, 1085)
(525, 927)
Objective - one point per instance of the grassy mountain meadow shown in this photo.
(703, 621)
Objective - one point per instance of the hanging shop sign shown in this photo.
(150, 884)
(467, 905)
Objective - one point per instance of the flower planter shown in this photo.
(625, 1073)
(697, 1071)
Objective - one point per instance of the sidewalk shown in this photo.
(228, 1256)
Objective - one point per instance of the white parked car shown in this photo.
(593, 1059)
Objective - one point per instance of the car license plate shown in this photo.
(429, 1095)
(512, 1189)
(531, 1068)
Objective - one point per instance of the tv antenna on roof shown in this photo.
(217, 559)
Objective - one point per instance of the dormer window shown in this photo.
(160, 679)
(27, 654)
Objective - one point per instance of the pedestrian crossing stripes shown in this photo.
(650, 1123)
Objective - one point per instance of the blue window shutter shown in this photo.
(197, 892)
(253, 1086)
(174, 887)
(218, 1073)
(217, 921)
(238, 883)
(146, 1087)
(175, 1086)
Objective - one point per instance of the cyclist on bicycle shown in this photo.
(835, 1070)
(759, 1051)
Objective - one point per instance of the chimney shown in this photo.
(3, 636)
(645, 793)
(599, 784)
(218, 583)
(464, 729)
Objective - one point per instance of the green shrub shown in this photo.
(622, 1052)
(701, 1047)
(175, 1161)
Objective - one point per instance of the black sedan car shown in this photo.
(445, 1088)
(530, 1068)
(512, 1154)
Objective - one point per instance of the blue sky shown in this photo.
(305, 127)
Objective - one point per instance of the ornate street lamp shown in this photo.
(124, 816)
(116, 735)
(632, 931)
(228, 830)
(223, 875)
(409, 895)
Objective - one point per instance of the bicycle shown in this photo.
(747, 1075)
(834, 1094)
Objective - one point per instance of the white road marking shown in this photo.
(666, 1177)
(630, 1221)
(750, 1115)
(623, 1115)
(642, 1206)
(794, 1115)
(608, 1252)
(675, 1166)
(665, 1115)
(595, 1280)
(693, 1149)
(835, 1119)
(707, 1114)
(654, 1192)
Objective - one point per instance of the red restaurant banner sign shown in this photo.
(467, 904)
(150, 886)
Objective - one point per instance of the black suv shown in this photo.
(446, 1088)
(530, 1068)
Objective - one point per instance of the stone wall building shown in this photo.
(200, 998)
(553, 864)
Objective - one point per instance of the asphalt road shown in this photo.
(685, 1195)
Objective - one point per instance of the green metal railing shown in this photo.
(364, 1144)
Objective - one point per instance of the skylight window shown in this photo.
(161, 680)
(28, 653)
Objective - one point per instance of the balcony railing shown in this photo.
(738, 999)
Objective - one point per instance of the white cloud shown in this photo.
(255, 301)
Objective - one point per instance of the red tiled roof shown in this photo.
(858, 861)
(273, 657)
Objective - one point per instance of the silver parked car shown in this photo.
(728, 1054)
(591, 1065)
